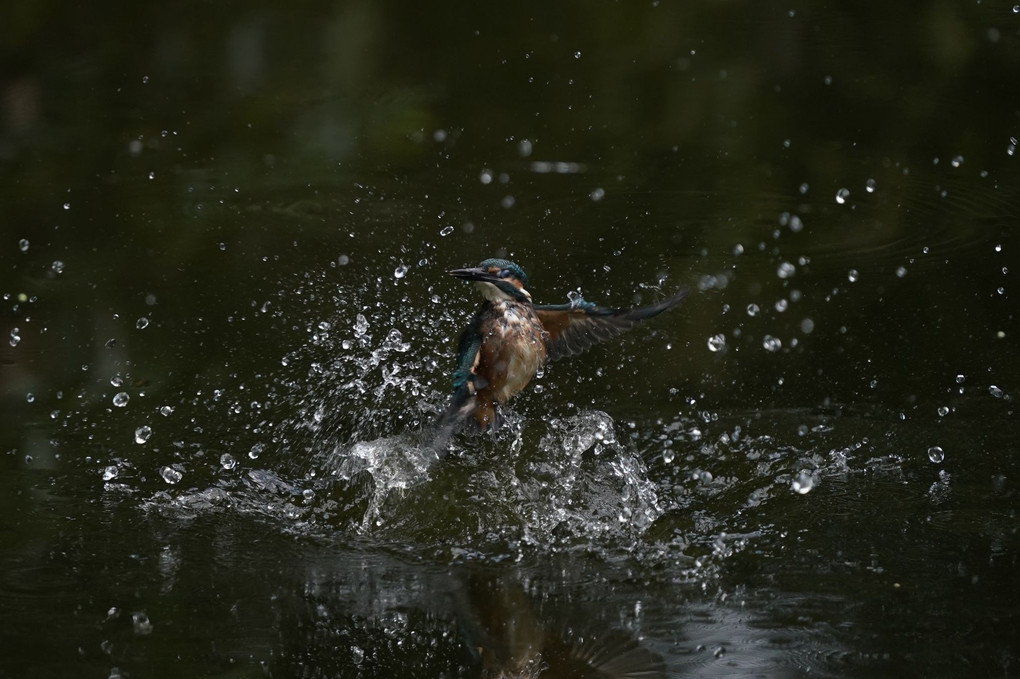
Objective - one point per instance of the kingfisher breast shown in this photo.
(513, 349)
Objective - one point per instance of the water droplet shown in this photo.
(110, 473)
(598, 194)
(786, 270)
(256, 450)
(870, 185)
(936, 454)
(170, 475)
(120, 399)
(995, 391)
(400, 271)
(446, 230)
(803, 188)
(842, 195)
(577, 55)
(717, 343)
(485, 176)
(30, 397)
(796, 225)
(957, 161)
(782, 305)
(141, 624)
(227, 461)
(852, 275)
(668, 456)
(142, 323)
(67, 206)
(395, 341)
(15, 337)
(360, 326)
(738, 249)
(803, 482)
(343, 260)
(23, 245)
(524, 148)
(57, 266)
(943, 411)
(960, 379)
(806, 326)
(771, 344)
(143, 433)
(166, 411)
(753, 309)
(901, 271)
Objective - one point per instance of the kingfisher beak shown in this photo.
(474, 274)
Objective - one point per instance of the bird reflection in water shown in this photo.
(510, 641)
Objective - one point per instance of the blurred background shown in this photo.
(227, 327)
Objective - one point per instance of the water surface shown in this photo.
(228, 328)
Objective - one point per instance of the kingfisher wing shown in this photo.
(467, 349)
(573, 328)
(465, 384)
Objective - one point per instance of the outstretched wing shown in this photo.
(574, 327)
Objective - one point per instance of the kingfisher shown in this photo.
(510, 338)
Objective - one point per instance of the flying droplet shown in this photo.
(771, 344)
(360, 325)
(227, 461)
(803, 483)
(842, 195)
(936, 454)
(400, 271)
(786, 270)
(120, 399)
(23, 245)
(142, 434)
(717, 343)
(110, 473)
(142, 323)
(170, 475)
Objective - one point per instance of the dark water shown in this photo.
(226, 324)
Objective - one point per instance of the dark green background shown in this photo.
(250, 178)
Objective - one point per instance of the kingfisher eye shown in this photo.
(504, 273)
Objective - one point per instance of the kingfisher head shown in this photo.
(498, 279)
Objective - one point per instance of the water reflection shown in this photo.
(512, 642)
